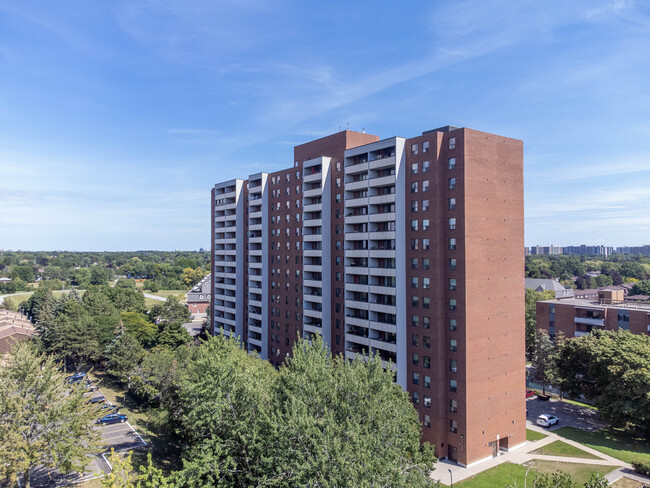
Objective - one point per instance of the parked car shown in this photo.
(98, 399)
(530, 393)
(547, 420)
(76, 378)
(112, 418)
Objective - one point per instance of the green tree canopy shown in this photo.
(43, 421)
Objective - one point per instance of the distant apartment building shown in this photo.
(578, 317)
(411, 249)
(198, 298)
(578, 250)
(643, 250)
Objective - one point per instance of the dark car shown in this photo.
(76, 378)
(112, 418)
(97, 399)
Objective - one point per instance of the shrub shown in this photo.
(641, 467)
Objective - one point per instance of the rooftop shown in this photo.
(601, 306)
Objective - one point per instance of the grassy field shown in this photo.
(627, 483)
(559, 448)
(514, 473)
(24, 296)
(615, 444)
(533, 435)
(165, 293)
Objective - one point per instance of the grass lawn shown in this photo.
(580, 404)
(24, 296)
(533, 435)
(514, 473)
(165, 293)
(612, 443)
(559, 448)
(163, 450)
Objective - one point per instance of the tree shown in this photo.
(139, 326)
(319, 421)
(532, 297)
(171, 311)
(612, 369)
(127, 299)
(98, 275)
(543, 361)
(123, 475)
(7, 304)
(25, 273)
(641, 288)
(123, 356)
(604, 280)
(191, 277)
(43, 421)
(173, 336)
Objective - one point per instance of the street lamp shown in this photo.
(451, 477)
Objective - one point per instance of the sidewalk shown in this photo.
(445, 469)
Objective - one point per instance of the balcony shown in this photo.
(589, 321)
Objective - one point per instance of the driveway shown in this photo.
(570, 415)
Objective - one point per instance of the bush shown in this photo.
(641, 467)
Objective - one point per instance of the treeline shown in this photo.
(610, 369)
(316, 421)
(105, 324)
(58, 270)
(614, 270)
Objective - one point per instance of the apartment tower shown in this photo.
(411, 249)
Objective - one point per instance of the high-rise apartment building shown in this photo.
(411, 249)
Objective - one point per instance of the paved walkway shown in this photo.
(445, 470)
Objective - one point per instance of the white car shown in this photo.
(547, 420)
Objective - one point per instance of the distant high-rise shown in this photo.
(408, 248)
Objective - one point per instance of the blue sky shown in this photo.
(116, 118)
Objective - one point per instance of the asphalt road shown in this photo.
(570, 415)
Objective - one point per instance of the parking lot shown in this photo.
(570, 415)
(119, 436)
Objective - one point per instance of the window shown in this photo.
(451, 163)
(415, 320)
(426, 322)
(414, 206)
(453, 345)
(425, 224)
(414, 263)
(415, 359)
(414, 148)
(425, 263)
(452, 284)
(451, 203)
(453, 426)
(453, 365)
(427, 382)
(426, 342)
(452, 265)
(426, 302)
(338, 276)
(415, 301)
(414, 282)
(427, 401)
(416, 378)
(425, 166)
(414, 168)
(338, 323)
(453, 406)
(425, 283)
(415, 339)
(425, 205)
(338, 340)
(416, 396)
(453, 385)
(338, 198)
(427, 421)
(452, 243)
(452, 143)
(452, 223)
(453, 324)
(451, 183)
(452, 304)
(425, 147)
(425, 244)
(426, 361)
(337, 229)
(414, 187)
(338, 245)
(414, 224)
(414, 244)
(338, 182)
(425, 185)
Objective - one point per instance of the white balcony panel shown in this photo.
(382, 272)
(312, 178)
(312, 298)
(588, 321)
(382, 163)
(355, 169)
(356, 236)
(356, 321)
(382, 181)
(314, 253)
(356, 219)
(383, 290)
(356, 202)
(312, 237)
(356, 287)
(380, 236)
(382, 327)
(384, 346)
(316, 192)
(313, 313)
(356, 185)
(382, 199)
(356, 304)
